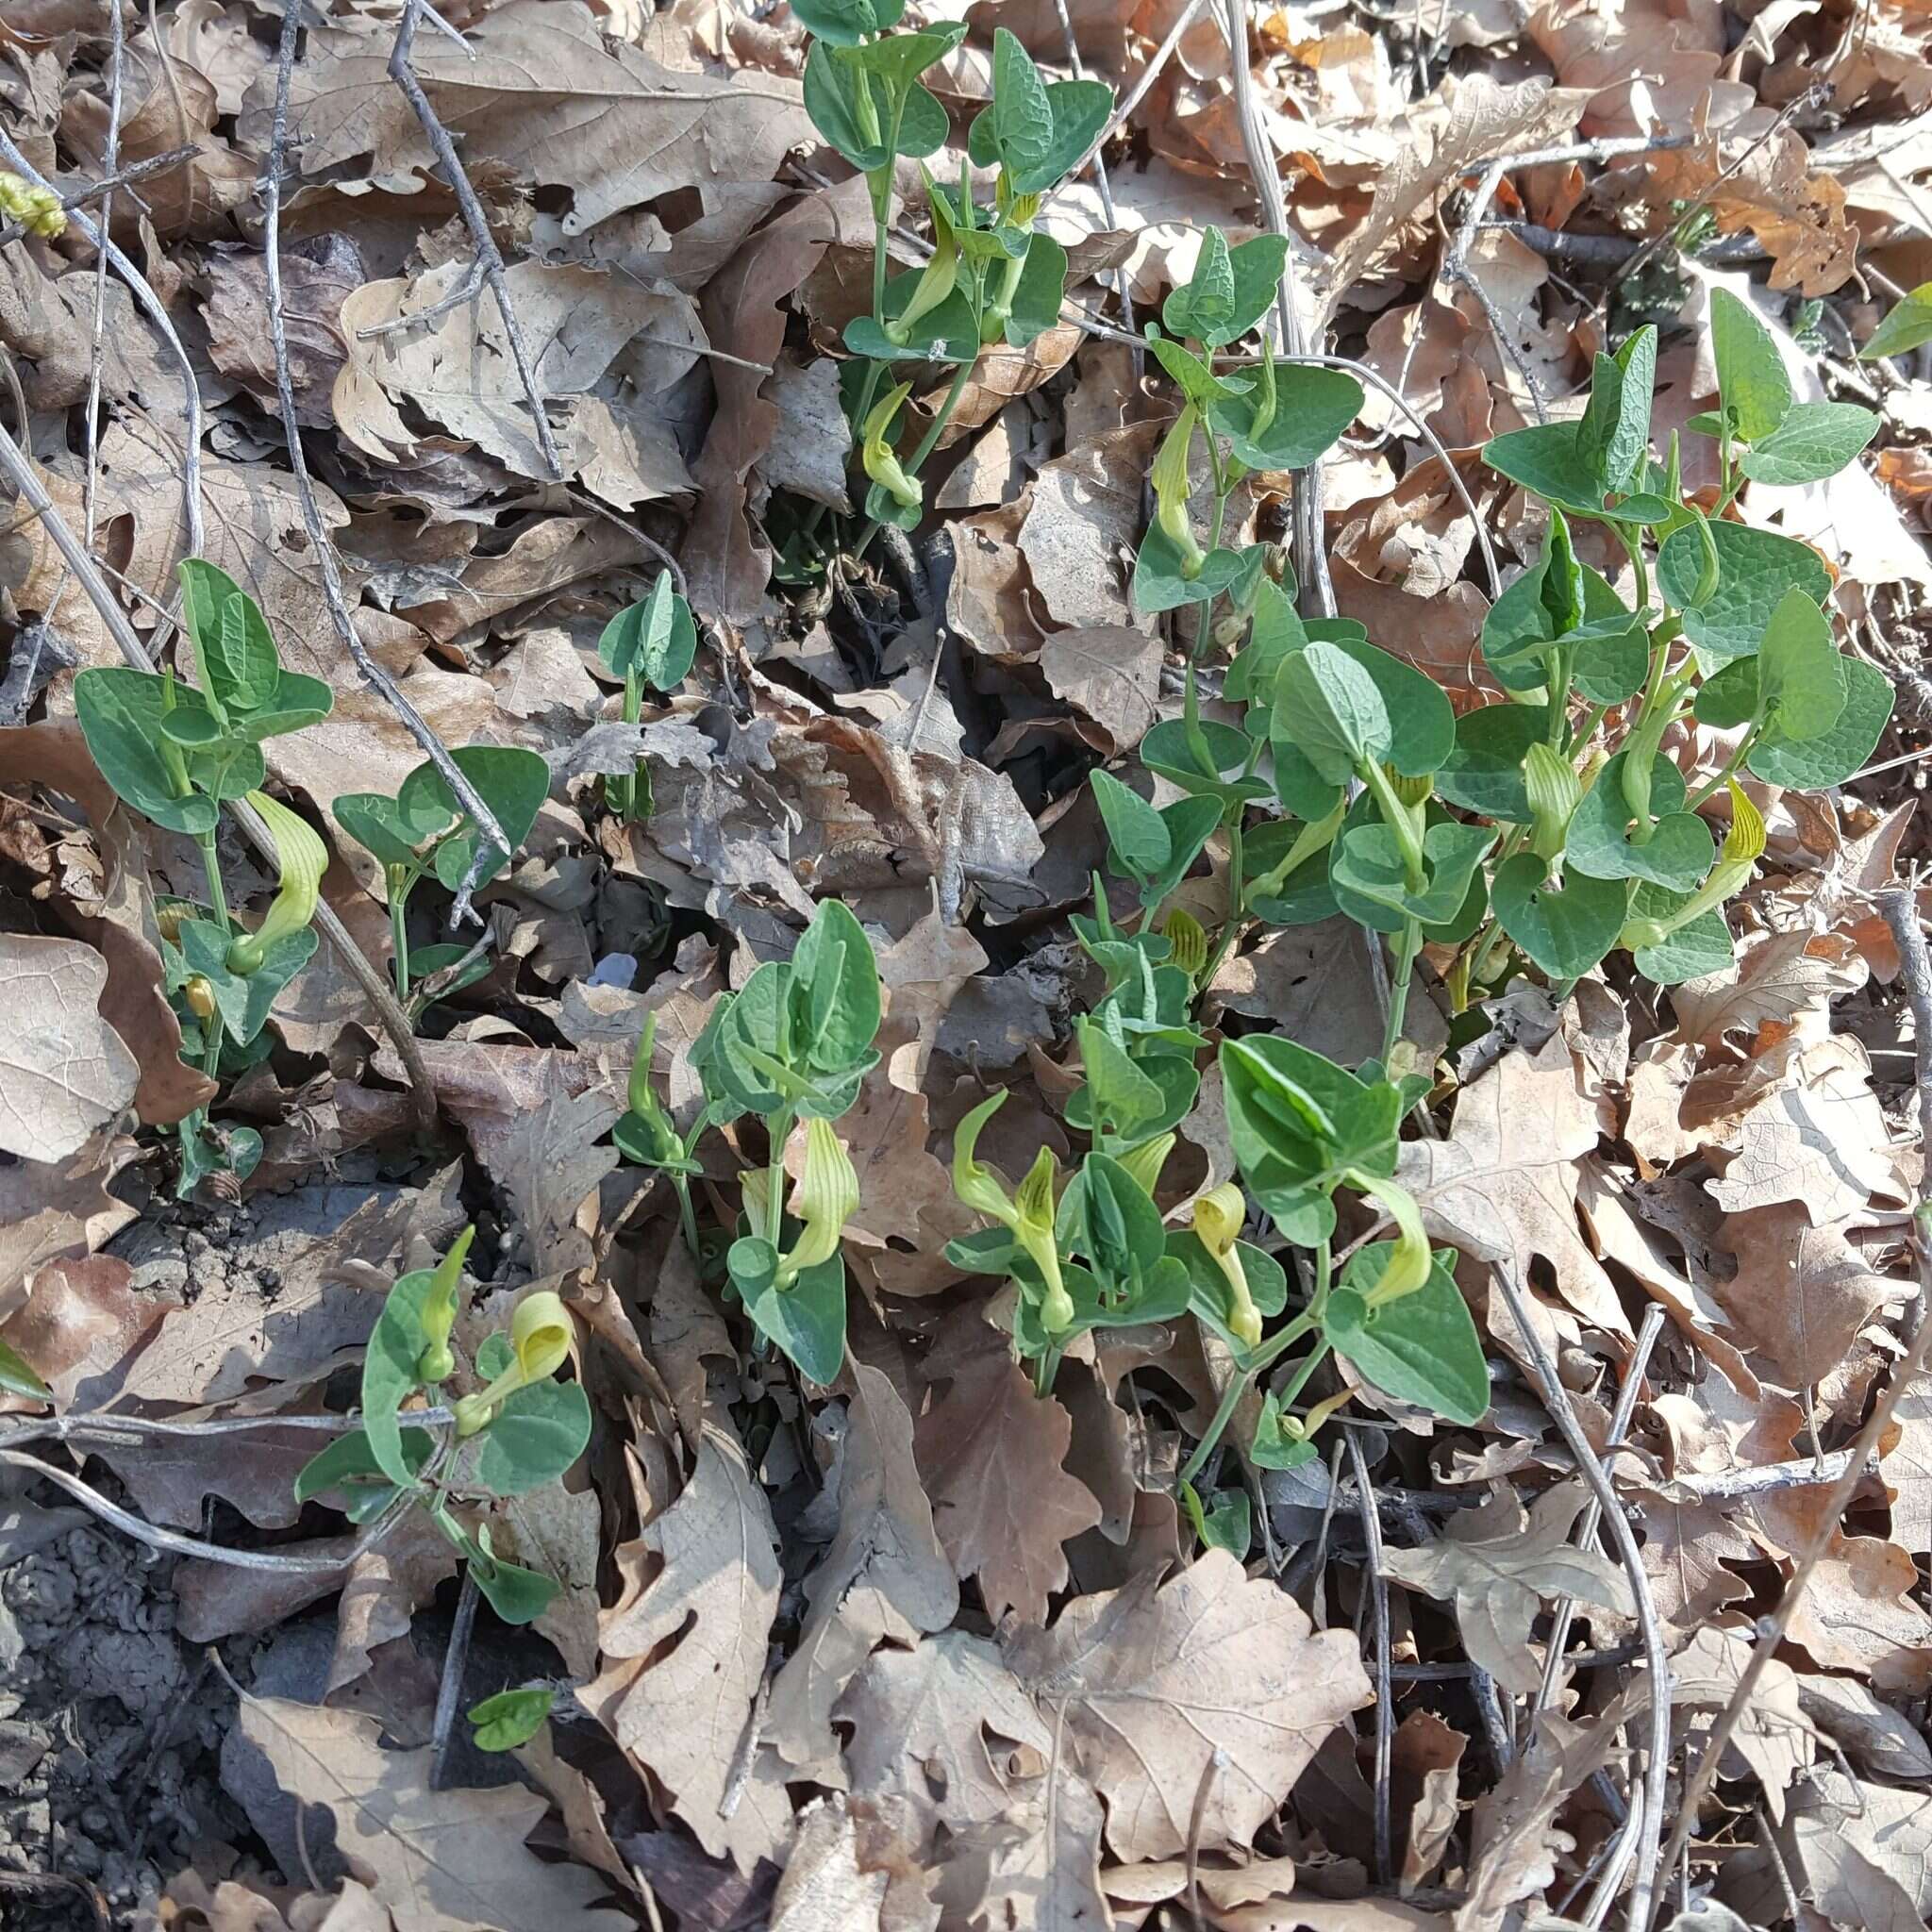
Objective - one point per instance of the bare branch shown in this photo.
(492, 845)
(489, 257)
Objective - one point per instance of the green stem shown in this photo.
(774, 1180)
(1395, 815)
(927, 444)
(687, 1214)
(1707, 791)
(1237, 905)
(217, 893)
(399, 941)
(1398, 986)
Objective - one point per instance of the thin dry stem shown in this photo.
(1650, 1810)
(489, 257)
(492, 845)
(1385, 1687)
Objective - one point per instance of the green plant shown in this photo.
(521, 1429)
(652, 642)
(423, 831)
(1551, 829)
(176, 752)
(993, 278)
(792, 1044)
(1907, 327)
(511, 1717)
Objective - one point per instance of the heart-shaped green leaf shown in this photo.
(1908, 327)
(654, 640)
(1750, 375)
(389, 1373)
(243, 1003)
(1815, 441)
(1331, 710)
(1676, 854)
(1484, 774)
(1830, 758)
(1371, 886)
(807, 1319)
(1038, 295)
(349, 1466)
(512, 782)
(1701, 946)
(1755, 569)
(120, 712)
(1564, 929)
(1312, 407)
(1421, 1347)
(533, 1438)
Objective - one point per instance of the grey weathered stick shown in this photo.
(18, 471)
(1385, 1689)
(491, 843)
(449, 1692)
(99, 191)
(1901, 914)
(1555, 1398)
(489, 257)
(1554, 1660)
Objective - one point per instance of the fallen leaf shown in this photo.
(1865, 1851)
(683, 1711)
(885, 1576)
(80, 1327)
(63, 1070)
(1155, 1679)
(944, 1730)
(1503, 1186)
(991, 1454)
(438, 1860)
(1499, 1566)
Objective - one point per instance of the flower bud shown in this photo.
(1218, 1215)
(1555, 791)
(880, 462)
(1171, 492)
(825, 1199)
(439, 1316)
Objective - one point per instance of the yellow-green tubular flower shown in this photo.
(642, 1095)
(1171, 492)
(1555, 791)
(303, 859)
(539, 1333)
(39, 209)
(1033, 1230)
(977, 1185)
(937, 282)
(439, 1311)
(1742, 848)
(1409, 1266)
(1146, 1162)
(881, 464)
(1189, 938)
(1264, 393)
(1218, 1217)
(825, 1199)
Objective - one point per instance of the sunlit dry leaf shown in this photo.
(439, 1861)
(63, 1070)
(684, 1712)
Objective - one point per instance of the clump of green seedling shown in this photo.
(519, 1430)
(650, 645)
(424, 832)
(176, 752)
(792, 1045)
(994, 278)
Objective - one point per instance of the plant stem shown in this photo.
(217, 893)
(1707, 791)
(927, 446)
(1263, 1358)
(399, 941)
(775, 1179)
(687, 1214)
(1398, 986)
(1237, 905)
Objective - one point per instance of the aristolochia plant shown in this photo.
(992, 278)
(175, 753)
(519, 1430)
(792, 1045)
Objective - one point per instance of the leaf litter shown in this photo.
(910, 1644)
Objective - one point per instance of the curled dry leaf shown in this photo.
(1498, 1566)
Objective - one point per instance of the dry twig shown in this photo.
(492, 845)
(487, 267)
(1385, 1689)
(1901, 913)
